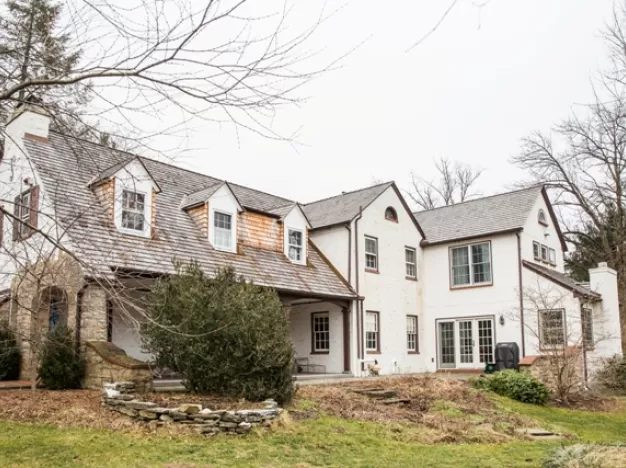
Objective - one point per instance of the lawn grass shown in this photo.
(327, 441)
(324, 442)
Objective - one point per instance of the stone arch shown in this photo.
(50, 310)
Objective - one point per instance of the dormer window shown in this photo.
(296, 245)
(222, 231)
(133, 210)
(541, 218)
(391, 215)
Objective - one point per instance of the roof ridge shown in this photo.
(349, 192)
(536, 186)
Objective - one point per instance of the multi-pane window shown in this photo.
(411, 333)
(411, 263)
(552, 256)
(321, 332)
(372, 331)
(537, 250)
(544, 253)
(23, 210)
(371, 253)
(588, 328)
(296, 246)
(222, 231)
(133, 210)
(551, 327)
(471, 264)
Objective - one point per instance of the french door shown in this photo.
(465, 343)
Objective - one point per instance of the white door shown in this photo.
(465, 343)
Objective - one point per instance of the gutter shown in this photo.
(359, 311)
(521, 291)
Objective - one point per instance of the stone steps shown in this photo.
(382, 396)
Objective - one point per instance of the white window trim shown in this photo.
(415, 349)
(313, 332)
(471, 283)
(377, 331)
(406, 263)
(233, 230)
(538, 245)
(120, 188)
(542, 344)
(303, 256)
(375, 254)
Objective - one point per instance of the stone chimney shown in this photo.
(603, 280)
(29, 120)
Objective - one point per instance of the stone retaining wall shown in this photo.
(108, 363)
(119, 397)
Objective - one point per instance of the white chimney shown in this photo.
(603, 280)
(29, 120)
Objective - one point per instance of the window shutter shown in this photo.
(34, 206)
(16, 217)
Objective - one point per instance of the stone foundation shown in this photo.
(105, 362)
(119, 397)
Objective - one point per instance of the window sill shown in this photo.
(373, 352)
(471, 286)
(413, 352)
(543, 223)
(410, 278)
(134, 232)
(369, 270)
(391, 220)
(319, 352)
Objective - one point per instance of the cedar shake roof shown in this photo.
(342, 208)
(562, 280)
(66, 166)
(505, 212)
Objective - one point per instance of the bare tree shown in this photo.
(583, 162)
(454, 184)
(564, 332)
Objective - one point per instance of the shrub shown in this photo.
(224, 335)
(9, 353)
(613, 373)
(586, 456)
(60, 366)
(516, 385)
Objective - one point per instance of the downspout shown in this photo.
(359, 311)
(79, 312)
(582, 342)
(521, 291)
(347, 226)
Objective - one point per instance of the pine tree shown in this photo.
(32, 47)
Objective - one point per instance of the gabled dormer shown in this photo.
(129, 191)
(295, 227)
(215, 210)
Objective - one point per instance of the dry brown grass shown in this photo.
(446, 410)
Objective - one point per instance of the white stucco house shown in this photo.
(362, 278)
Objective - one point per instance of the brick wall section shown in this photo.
(200, 216)
(105, 192)
(260, 231)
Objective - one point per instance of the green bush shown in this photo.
(613, 373)
(9, 353)
(516, 385)
(60, 366)
(224, 335)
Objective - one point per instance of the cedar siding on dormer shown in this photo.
(260, 231)
(200, 216)
(105, 193)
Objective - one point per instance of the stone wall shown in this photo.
(105, 362)
(119, 397)
(547, 367)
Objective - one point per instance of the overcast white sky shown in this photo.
(487, 77)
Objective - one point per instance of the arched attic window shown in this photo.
(541, 218)
(390, 214)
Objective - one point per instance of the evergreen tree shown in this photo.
(33, 47)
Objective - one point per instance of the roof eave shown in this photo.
(427, 243)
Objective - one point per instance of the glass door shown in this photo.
(466, 343)
(447, 348)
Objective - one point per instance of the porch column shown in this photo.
(346, 338)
